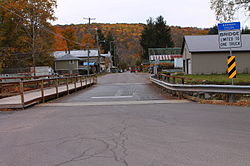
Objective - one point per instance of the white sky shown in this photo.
(194, 13)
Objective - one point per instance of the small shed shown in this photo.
(202, 55)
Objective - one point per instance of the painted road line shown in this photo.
(111, 97)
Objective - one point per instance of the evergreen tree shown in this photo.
(147, 37)
(109, 43)
(246, 30)
(213, 30)
(162, 34)
(102, 40)
(156, 34)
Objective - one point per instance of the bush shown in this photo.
(166, 65)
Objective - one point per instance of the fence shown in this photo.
(28, 92)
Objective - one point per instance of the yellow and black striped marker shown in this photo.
(231, 67)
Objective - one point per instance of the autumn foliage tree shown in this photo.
(88, 41)
(69, 35)
(122, 39)
(59, 42)
(25, 31)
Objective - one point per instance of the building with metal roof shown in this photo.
(202, 55)
(78, 53)
(77, 61)
(67, 57)
(67, 64)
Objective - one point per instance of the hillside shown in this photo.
(127, 36)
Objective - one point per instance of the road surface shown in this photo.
(125, 121)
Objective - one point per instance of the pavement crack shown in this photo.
(114, 146)
(120, 144)
(76, 158)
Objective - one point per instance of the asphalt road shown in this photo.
(125, 121)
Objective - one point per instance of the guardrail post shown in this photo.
(168, 79)
(182, 81)
(1, 88)
(86, 80)
(81, 80)
(57, 93)
(67, 85)
(42, 91)
(89, 81)
(75, 83)
(21, 89)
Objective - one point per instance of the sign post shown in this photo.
(230, 37)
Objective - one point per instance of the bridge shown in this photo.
(124, 119)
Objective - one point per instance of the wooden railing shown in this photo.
(28, 86)
(176, 79)
(5, 79)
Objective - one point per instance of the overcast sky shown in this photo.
(195, 13)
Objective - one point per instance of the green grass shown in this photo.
(242, 79)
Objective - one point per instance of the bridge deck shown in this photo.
(35, 96)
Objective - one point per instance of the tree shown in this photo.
(88, 41)
(156, 34)
(162, 34)
(147, 37)
(246, 30)
(213, 30)
(60, 43)
(26, 33)
(70, 37)
(109, 44)
(101, 40)
(225, 9)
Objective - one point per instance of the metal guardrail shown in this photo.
(226, 89)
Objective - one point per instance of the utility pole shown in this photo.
(89, 19)
(98, 60)
(33, 48)
(33, 39)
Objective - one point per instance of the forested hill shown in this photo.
(127, 36)
(126, 32)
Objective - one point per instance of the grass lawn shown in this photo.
(242, 79)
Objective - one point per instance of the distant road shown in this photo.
(124, 120)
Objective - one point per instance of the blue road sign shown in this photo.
(229, 26)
